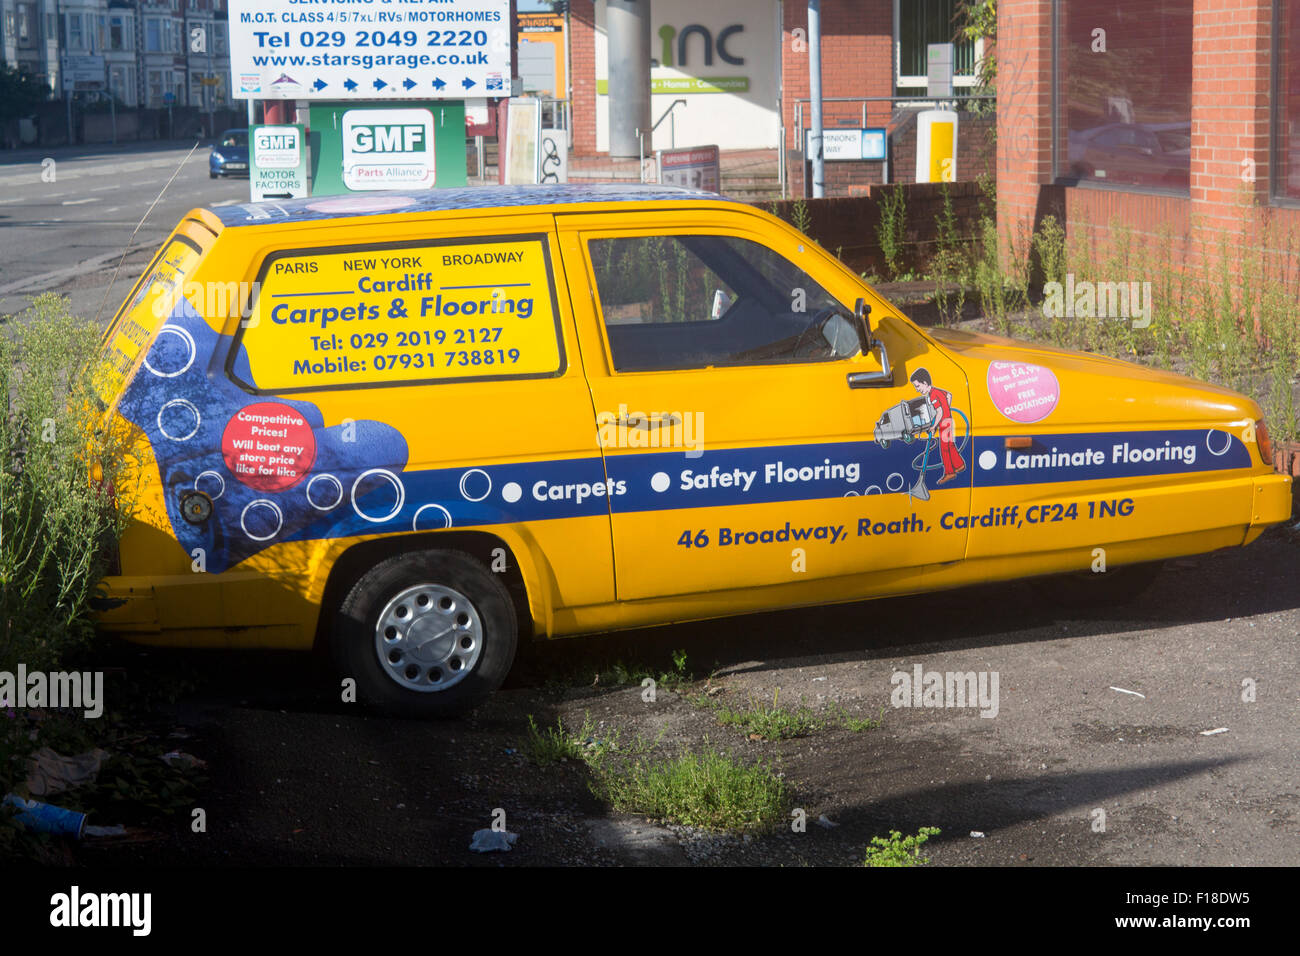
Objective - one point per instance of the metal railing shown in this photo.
(921, 102)
(669, 115)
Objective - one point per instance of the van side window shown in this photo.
(689, 302)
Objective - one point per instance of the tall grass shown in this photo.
(55, 522)
(891, 231)
(1225, 309)
(950, 264)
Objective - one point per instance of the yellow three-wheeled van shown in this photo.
(419, 426)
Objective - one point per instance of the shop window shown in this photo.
(917, 24)
(1285, 166)
(1124, 93)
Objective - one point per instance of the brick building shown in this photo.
(742, 68)
(1167, 116)
(155, 52)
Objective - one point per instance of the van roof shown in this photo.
(394, 202)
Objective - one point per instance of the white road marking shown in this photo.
(79, 202)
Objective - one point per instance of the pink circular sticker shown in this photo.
(360, 204)
(268, 446)
(1022, 392)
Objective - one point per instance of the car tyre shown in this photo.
(211, 174)
(426, 634)
(1085, 589)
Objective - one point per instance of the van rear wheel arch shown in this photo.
(353, 563)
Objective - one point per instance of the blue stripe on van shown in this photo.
(360, 481)
(432, 499)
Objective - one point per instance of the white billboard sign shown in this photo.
(388, 149)
(277, 162)
(850, 143)
(277, 147)
(369, 49)
(83, 72)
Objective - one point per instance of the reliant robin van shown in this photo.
(420, 428)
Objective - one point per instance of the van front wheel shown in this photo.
(430, 633)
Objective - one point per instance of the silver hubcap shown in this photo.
(428, 638)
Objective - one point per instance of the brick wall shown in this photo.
(848, 226)
(582, 53)
(1231, 51)
(857, 60)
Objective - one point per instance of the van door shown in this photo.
(742, 447)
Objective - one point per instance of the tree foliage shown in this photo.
(979, 20)
(20, 93)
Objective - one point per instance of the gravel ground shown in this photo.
(297, 778)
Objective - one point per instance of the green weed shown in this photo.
(898, 850)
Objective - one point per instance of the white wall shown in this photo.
(748, 120)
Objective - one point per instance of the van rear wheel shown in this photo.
(426, 634)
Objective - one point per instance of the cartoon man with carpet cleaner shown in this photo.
(953, 463)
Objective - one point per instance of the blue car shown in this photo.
(229, 156)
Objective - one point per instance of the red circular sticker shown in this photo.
(1024, 393)
(268, 446)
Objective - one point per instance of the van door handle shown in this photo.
(882, 379)
(645, 421)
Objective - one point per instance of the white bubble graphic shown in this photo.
(396, 483)
(262, 503)
(511, 492)
(988, 459)
(660, 481)
(189, 407)
(1227, 442)
(446, 518)
(470, 482)
(889, 482)
(189, 343)
(203, 474)
(338, 492)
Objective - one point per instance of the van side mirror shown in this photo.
(883, 378)
(862, 321)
